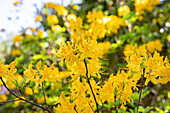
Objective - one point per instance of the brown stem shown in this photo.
(91, 107)
(44, 94)
(34, 96)
(22, 93)
(9, 101)
(142, 81)
(102, 107)
(22, 98)
(75, 109)
(91, 86)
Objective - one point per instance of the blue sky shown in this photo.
(26, 12)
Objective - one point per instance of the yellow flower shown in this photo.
(38, 18)
(158, 45)
(154, 45)
(40, 33)
(56, 28)
(168, 94)
(17, 38)
(71, 17)
(75, 7)
(3, 97)
(150, 77)
(123, 10)
(15, 52)
(28, 91)
(52, 19)
(168, 38)
(30, 73)
(40, 100)
(32, 29)
(17, 2)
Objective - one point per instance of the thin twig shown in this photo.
(22, 93)
(22, 98)
(91, 107)
(75, 109)
(34, 96)
(44, 94)
(91, 86)
(142, 81)
(8, 101)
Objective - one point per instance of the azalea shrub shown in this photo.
(97, 56)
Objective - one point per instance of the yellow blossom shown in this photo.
(123, 10)
(17, 2)
(52, 19)
(40, 33)
(75, 7)
(56, 28)
(38, 18)
(3, 97)
(28, 91)
(17, 38)
(15, 52)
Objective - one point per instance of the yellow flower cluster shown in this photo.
(151, 46)
(99, 25)
(154, 45)
(38, 18)
(142, 5)
(52, 19)
(17, 39)
(154, 68)
(43, 73)
(61, 10)
(123, 10)
(15, 52)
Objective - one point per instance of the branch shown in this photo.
(91, 86)
(142, 81)
(44, 94)
(22, 98)
(8, 101)
(75, 109)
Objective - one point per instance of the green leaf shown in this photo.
(15, 83)
(20, 85)
(164, 104)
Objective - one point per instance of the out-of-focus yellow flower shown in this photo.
(71, 17)
(52, 19)
(17, 38)
(40, 100)
(28, 91)
(154, 45)
(142, 5)
(17, 2)
(123, 10)
(168, 94)
(56, 28)
(40, 33)
(32, 29)
(140, 18)
(16, 52)
(38, 18)
(158, 45)
(168, 38)
(36, 90)
(36, 112)
(75, 7)
(3, 97)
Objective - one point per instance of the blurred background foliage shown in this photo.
(42, 43)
